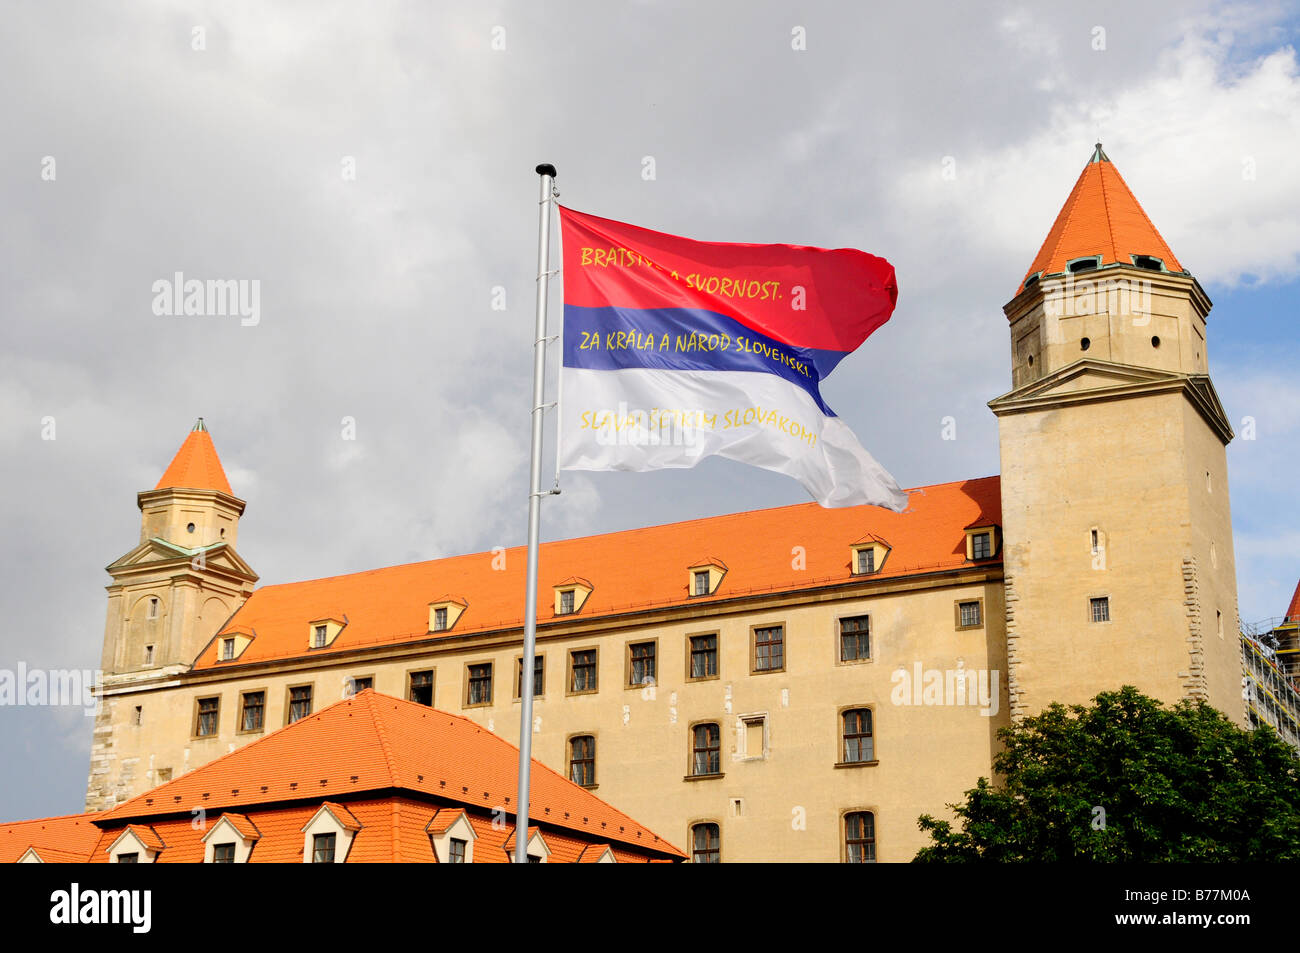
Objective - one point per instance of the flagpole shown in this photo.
(547, 173)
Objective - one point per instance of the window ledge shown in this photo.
(856, 764)
(704, 777)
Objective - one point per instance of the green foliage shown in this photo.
(1176, 784)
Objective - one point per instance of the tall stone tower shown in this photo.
(1117, 533)
(169, 596)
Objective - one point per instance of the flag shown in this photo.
(677, 349)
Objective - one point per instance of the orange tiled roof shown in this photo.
(196, 465)
(1101, 217)
(242, 825)
(1293, 610)
(372, 742)
(56, 839)
(631, 571)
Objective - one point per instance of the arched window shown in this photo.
(706, 844)
(860, 837)
(706, 749)
(858, 743)
(582, 760)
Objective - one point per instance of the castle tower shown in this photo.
(173, 591)
(1118, 537)
(169, 596)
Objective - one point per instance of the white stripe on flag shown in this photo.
(647, 419)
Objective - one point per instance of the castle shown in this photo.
(797, 683)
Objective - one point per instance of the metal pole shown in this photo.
(547, 172)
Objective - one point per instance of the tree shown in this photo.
(1128, 779)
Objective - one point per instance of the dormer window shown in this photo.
(452, 836)
(704, 577)
(329, 834)
(230, 840)
(571, 595)
(868, 555)
(445, 611)
(323, 846)
(138, 844)
(321, 633)
(1149, 262)
(1090, 263)
(456, 850)
(982, 542)
(1033, 279)
(227, 649)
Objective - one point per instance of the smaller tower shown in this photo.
(173, 591)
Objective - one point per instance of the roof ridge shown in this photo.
(381, 731)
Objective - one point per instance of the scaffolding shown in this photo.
(1269, 685)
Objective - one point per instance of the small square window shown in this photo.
(456, 851)
(440, 620)
(362, 683)
(981, 545)
(1100, 608)
(223, 853)
(566, 602)
(128, 858)
(867, 560)
(227, 649)
(318, 637)
(970, 614)
(322, 851)
(702, 582)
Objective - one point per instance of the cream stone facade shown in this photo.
(1103, 557)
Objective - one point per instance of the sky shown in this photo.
(371, 165)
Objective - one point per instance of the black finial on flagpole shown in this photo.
(546, 169)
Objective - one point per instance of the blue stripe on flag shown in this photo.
(687, 339)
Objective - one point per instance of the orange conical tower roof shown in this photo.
(196, 465)
(1101, 217)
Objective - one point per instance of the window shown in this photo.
(479, 688)
(152, 611)
(148, 655)
(1100, 609)
(981, 546)
(970, 614)
(582, 666)
(1149, 262)
(322, 847)
(1096, 541)
(769, 649)
(363, 682)
(855, 638)
(206, 723)
(318, 637)
(858, 745)
(754, 727)
(421, 688)
(299, 702)
(128, 858)
(223, 853)
(137, 715)
(538, 671)
(582, 760)
(227, 649)
(455, 851)
(439, 620)
(702, 582)
(860, 837)
(704, 656)
(867, 560)
(641, 664)
(706, 749)
(253, 706)
(566, 602)
(1084, 344)
(1083, 264)
(706, 844)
